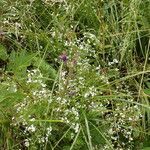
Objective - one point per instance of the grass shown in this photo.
(74, 75)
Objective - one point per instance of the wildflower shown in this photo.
(115, 61)
(49, 129)
(26, 143)
(63, 57)
(110, 63)
(77, 126)
(31, 128)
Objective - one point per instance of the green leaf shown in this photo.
(46, 68)
(19, 61)
(147, 91)
(146, 148)
(136, 133)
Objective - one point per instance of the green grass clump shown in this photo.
(74, 74)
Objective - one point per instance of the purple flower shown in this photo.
(63, 57)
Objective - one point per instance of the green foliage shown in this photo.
(74, 74)
(18, 62)
(3, 53)
(45, 67)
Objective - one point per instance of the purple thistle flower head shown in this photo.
(63, 57)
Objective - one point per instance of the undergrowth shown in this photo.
(74, 75)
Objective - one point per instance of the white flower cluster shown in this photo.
(52, 1)
(35, 76)
(124, 116)
(91, 92)
(115, 61)
(31, 128)
(26, 142)
(74, 94)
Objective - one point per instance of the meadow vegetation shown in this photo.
(74, 75)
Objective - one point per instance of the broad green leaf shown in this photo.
(19, 61)
(46, 68)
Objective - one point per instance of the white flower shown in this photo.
(115, 61)
(110, 63)
(116, 69)
(31, 128)
(131, 139)
(110, 131)
(26, 143)
(32, 119)
(98, 68)
(49, 129)
(130, 119)
(86, 95)
(76, 128)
